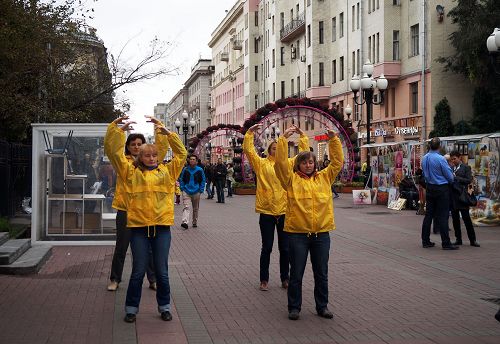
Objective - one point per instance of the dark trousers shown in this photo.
(319, 247)
(121, 247)
(455, 215)
(143, 240)
(267, 224)
(219, 186)
(437, 202)
(229, 188)
(209, 189)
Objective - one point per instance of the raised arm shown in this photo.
(114, 146)
(282, 166)
(161, 141)
(336, 156)
(303, 140)
(249, 148)
(177, 164)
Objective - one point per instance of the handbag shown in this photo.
(467, 199)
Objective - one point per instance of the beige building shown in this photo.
(314, 47)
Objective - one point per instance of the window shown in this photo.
(292, 87)
(282, 56)
(321, 74)
(309, 35)
(395, 45)
(246, 46)
(256, 74)
(308, 76)
(321, 33)
(414, 40)
(378, 47)
(246, 20)
(272, 25)
(274, 92)
(334, 29)
(256, 45)
(396, 2)
(273, 58)
(414, 97)
(297, 51)
(282, 20)
(291, 14)
(353, 63)
(256, 101)
(334, 71)
(283, 90)
(341, 25)
(256, 18)
(357, 16)
(370, 48)
(298, 85)
(358, 64)
(353, 18)
(341, 67)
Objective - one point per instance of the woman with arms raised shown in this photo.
(149, 200)
(309, 218)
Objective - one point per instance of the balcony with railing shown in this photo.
(294, 28)
(224, 57)
(237, 44)
(239, 62)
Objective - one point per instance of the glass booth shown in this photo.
(73, 183)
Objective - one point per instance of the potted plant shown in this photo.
(348, 187)
(244, 188)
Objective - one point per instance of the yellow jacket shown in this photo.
(270, 197)
(148, 194)
(119, 198)
(309, 199)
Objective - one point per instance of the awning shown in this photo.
(474, 137)
(385, 144)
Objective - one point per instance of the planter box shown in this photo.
(348, 189)
(244, 191)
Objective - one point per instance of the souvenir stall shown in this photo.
(390, 164)
(481, 153)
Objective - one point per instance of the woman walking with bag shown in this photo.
(309, 218)
(150, 211)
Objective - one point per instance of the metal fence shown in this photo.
(15, 176)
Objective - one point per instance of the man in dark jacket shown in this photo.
(220, 172)
(192, 183)
(209, 175)
(463, 177)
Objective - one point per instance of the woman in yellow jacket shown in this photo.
(309, 218)
(150, 211)
(270, 203)
(132, 148)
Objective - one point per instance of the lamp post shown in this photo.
(367, 85)
(493, 45)
(185, 126)
(273, 133)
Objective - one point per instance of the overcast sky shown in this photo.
(187, 23)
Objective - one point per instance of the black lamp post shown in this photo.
(185, 126)
(367, 85)
(273, 133)
(208, 150)
(493, 44)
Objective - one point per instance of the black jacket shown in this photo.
(463, 177)
(220, 171)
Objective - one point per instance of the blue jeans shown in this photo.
(437, 208)
(267, 224)
(319, 247)
(209, 190)
(140, 240)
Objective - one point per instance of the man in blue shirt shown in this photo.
(192, 184)
(438, 177)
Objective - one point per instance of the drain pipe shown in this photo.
(424, 63)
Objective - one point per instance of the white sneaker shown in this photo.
(113, 286)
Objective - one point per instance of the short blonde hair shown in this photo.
(149, 147)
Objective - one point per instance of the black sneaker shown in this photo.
(129, 317)
(325, 313)
(450, 247)
(166, 316)
(497, 316)
(184, 225)
(195, 225)
(428, 244)
(293, 315)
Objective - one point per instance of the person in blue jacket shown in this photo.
(192, 182)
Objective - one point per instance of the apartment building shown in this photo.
(176, 106)
(160, 112)
(198, 87)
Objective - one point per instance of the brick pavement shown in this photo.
(384, 288)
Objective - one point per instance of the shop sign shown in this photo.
(323, 137)
(219, 150)
(377, 132)
(406, 130)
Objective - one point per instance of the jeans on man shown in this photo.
(158, 237)
(219, 186)
(190, 201)
(121, 247)
(267, 224)
(209, 189)
(437, 203)
(229, 188)
(300, 245)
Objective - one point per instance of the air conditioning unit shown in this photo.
(303, 58)
(294, 53)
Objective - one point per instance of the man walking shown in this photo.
(209, 177)
(220, 172)
(192, 182)
(438, 177)
(463, 177)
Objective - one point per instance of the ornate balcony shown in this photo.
(224, 57)
(237, 45)
(293, 29)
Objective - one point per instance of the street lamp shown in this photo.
(185, 126)
(208, 149)
(273, 133)
(493, 45)
(367, 85)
